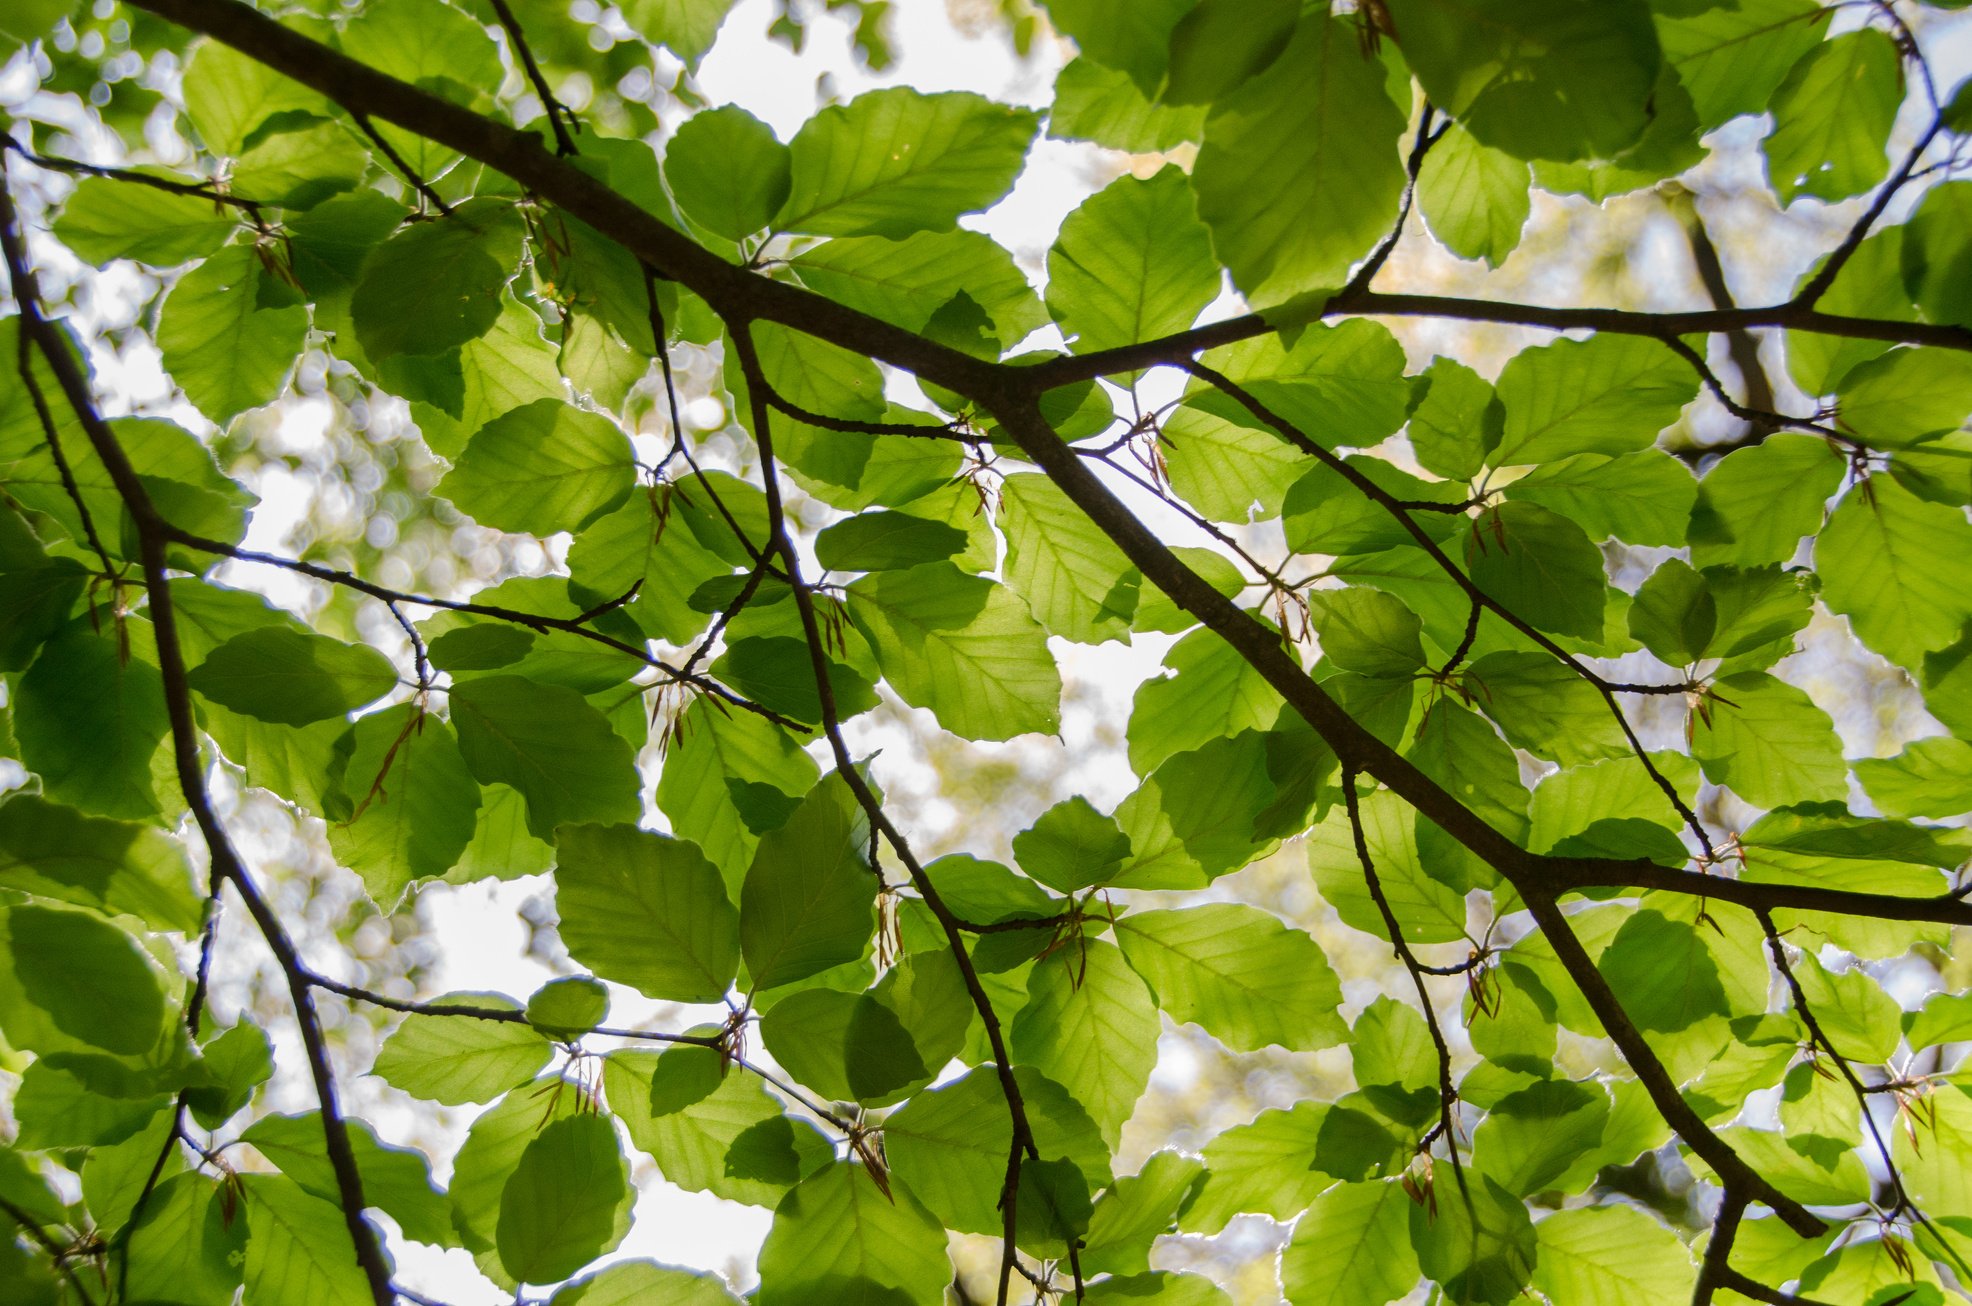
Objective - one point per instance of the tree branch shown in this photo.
(226, 863)
(1023, 1142)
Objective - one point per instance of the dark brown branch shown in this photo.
(75, 167)
(1718, 1252)
(46, 1242)
(531, 620)
(1447, 1094)
(397, 161)
(1023, 1142)
(558, 113)
(1731, 1168)
(1741, 345)
(1172, 350)
(1358, 749)
(738, 293)
(499, 1015)
(1831, 267)
(52, 433)
(1420, 146)
(1748, 1286)
(1388, 502)
(226, 863)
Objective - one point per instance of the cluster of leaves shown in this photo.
(958, 1046)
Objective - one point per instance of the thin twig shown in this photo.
(1023, 1142)
(558, 113)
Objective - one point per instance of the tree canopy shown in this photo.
(1539, 689)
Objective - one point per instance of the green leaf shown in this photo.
(492, 1151)
(88, 977)
(1906, 396)
(1755, 504)
(1887, 562)
(87, 720)
(298, 1248)
(949, 1144)
(1832, 117)
(1934, 248)
(568, 1007)
(1073, 577)
(436, 285)
(809, 901)
(645, 1283)
(895, 161)
(55, 852)
(1299, 172)
(1674, 614)
(908, 281)
(1639, 498)
(551, 745)
(1093, 102)
(730, 777)
(1342, 385)
(1227, 471)
(1367, 631)
(838, 1237)
(1769, 742)
(542, 468)
(1543, 80)
(1071, 847)
(225, 351)
(729, 173)
(416, 804)
(229, 94)
(1478, 1244)
(1203, 813)
(1457, 423)
(1531, 1136)
(396, 1180)
(1614, 1254)
(1243, 1170)
(292, 678)
(686, 27)
(1136, 1210)
(185, 1246)
(1222, 43)
(106, 220)
(35, 602)
(886, 541)
(459, 1059)
(302, 167)
(1237, 972)
(1931, 777)
(1870, 284)
(1132, 263)
(1731, 57)
(1859, 1018)
(1429, 910)
(1213, 694)
(845, 1046)
(1544, 707)
(1541, 566)
(1474, 198)
(708, 1131)
(1608, 394)
(1352, 1245)
(962, 646)
(567, 1202)
(646, 910)
(1134, 39)
(1158, 1288)
(1091, 1025)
